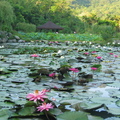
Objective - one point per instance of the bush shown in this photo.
(26, 27)
(106, 31)
(117, 35)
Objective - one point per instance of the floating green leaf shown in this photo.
(55, 111)
(118, 103)
(103, 100)
(4, 114)
(70, 101)
(90, 117)
(6, 104)
(114, 111)
(27, 111)
(115, 84)
(72, 116)
(90, 106)
(113, 118)
(20, 102)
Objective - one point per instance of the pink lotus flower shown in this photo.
(34, 55)
(111, 53)
(45, 106)
(56, 41)
(98, 57)
(45, 90)
(37, 95)
(50, 42)
(74, 69)
(52, 75)
(86, 53)
(93, 68)
(55, 87)
(93, 52)
(116, 56)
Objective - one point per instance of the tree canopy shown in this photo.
(70, 14)
(6, 15)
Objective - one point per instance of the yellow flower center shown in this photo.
(36, 92)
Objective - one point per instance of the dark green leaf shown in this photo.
(72, 116)
(4, 114)
(27, 111)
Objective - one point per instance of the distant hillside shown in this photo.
(102, 8)
(88, 3)
(82, 2)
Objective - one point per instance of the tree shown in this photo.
(6, 16)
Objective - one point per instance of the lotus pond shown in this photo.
(80, 81)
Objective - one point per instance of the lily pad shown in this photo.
(90, 117)
(91, 106)
(114, 111)
(118, 103)
(113, 118)
(6, 105)
(21, 102)
(115, 84)
(70, 101)
(55, 111)
(72, 116)
(27, 111)
(103, 100)
(4, 114)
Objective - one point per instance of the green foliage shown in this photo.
(106, 22)
(106, 31)
(33, 50)
(26, 27)
(73, 15)
(6, 16)
(27, 110)
(4, 114)
(72, 116)
(3, 35)
(98, 66)
(64, 64)
(117, 35)
(82, 2)
(60, 36)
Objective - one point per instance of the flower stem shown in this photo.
(47, 115)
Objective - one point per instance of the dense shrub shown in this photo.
(71, 27)
(106, 31)
(25, 27)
